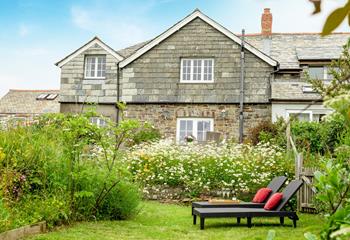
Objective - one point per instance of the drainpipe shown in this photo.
(241, 92)
(118, 95)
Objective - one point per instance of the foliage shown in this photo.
(333, 181)
(335, 18)
(63, 168)
(311, 138)
(146, 134)
(266, 131)
(203, 168)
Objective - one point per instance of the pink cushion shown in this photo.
(261, 195)
(274, 201)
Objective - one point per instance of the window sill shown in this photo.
(94, 80)
(196, 82)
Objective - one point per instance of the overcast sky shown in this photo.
(37, 33)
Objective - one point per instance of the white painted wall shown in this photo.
(281, 109)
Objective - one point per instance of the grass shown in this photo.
(165, 221)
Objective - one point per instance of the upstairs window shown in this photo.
(95, 66)
(197, 70)
(320, 72)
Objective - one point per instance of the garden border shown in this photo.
(24, 231)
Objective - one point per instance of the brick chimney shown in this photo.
(266, 22)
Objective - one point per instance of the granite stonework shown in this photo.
(76, 89)
(107, 110)
(155, 76)
(225, 116)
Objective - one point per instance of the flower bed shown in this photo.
(202, 169)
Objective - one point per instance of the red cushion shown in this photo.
(273, 202)
(261, 195)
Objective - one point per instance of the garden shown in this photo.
(84, 180)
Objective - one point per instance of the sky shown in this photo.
(35, 34)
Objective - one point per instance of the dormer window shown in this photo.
(197, 70)
(320, 73)
(95, 66)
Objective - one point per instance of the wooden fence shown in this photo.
(306, 194)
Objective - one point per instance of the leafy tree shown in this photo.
(335, 18)
(333, 181)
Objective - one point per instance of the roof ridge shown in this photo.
(291, 33)
(34, 90)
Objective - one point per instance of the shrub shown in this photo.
(63, 168)
(266, 131)
(203, 168)
(146, 134)
(310, 137)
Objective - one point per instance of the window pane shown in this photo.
(95, 66)
(186, 129)
(203, 126)
(316, 72)
(190, 125)
(186, 69)
(208, 70)
(182, 125)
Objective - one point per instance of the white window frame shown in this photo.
(96, 66)
(288, 112)
(195, 126)
(325, 71)
(191, 71)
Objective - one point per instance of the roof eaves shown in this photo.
(93, 41)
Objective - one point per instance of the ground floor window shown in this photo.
(193, 127)
(307, 116)
(98, 121)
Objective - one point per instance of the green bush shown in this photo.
(312, 138)
(147, 133)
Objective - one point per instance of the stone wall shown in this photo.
(8, 120)
(107, 110)
(225, 116)
(74, 88)
(155, 76)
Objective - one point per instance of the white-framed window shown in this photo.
(194, 127)
(98, 121)
(320, 72)
(197, 70)
(95, 66)
(300, 115)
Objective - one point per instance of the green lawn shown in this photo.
(165, 221)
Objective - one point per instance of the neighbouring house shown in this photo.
(186, 81)
(22, 106)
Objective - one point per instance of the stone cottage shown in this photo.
(22, 106)
(187, 80)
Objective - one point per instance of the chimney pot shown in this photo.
(266, 22)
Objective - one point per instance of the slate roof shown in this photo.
(289, 48)
(26, 102)
(126, 52)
